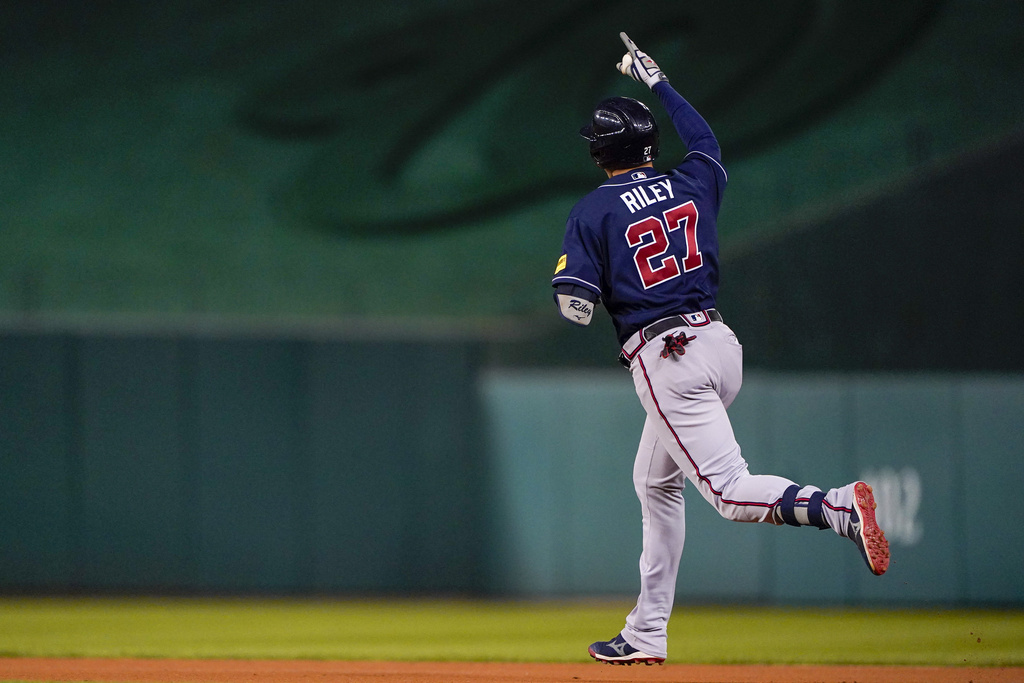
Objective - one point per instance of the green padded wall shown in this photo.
(238, 464)
(938, 449)
(308, 464)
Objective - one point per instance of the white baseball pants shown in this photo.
(687, 435)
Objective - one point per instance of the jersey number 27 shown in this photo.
(651, 236)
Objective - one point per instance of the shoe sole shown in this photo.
(874, 545)
(628, 660)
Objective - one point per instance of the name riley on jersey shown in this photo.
(641, 195)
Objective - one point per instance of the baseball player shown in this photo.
(644, 244)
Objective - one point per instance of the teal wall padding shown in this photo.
(797, 428)
(989, 485)
(563, 445)
(38, 479)
(937, 449)
(133, 524)
(307, 464)
(913, 425)
(238, 464)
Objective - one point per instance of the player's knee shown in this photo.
(669, 492)
(740, 513)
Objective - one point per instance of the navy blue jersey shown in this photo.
(647, 242)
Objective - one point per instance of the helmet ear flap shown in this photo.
(622, 133)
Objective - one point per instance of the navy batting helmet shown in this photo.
(622, 133)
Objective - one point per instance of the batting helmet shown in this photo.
(622, 133)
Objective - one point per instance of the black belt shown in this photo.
(652, 331)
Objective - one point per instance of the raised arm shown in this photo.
(694, 131)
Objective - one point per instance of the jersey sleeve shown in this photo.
(696, 134)
(580, 262)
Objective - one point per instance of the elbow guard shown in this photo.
(575, 304)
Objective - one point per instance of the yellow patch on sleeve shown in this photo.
(561, 265)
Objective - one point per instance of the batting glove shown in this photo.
(638, 65)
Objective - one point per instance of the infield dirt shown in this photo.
(304, 671)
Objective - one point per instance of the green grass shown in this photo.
(501, 631)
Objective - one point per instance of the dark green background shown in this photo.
(275, 311)
(341, 160)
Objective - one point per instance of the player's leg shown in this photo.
(685, 397)
(849, 510)
(659, 486)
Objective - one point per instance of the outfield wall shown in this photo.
(201, 463)
(940, 450)
(208, 463)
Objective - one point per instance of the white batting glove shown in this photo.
(638, 65)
